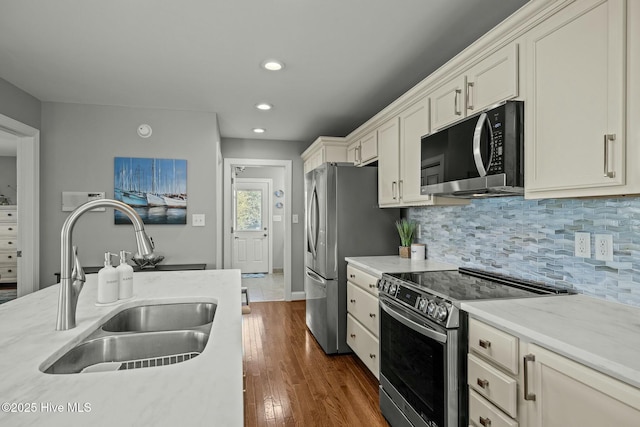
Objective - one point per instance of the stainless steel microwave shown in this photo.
(481, 156)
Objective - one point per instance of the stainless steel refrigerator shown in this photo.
(342, 220)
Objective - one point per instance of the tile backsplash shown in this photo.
(534, 239)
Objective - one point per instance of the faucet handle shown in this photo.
(77, 273)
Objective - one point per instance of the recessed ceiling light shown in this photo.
(259, 130)
(272, 65)
(264, 106)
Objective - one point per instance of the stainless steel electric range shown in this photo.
(423, 341)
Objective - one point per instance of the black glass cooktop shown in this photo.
(468, 285)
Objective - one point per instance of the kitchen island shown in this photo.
(206, 390)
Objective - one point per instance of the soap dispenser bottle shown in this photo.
(108, 281)
(125, 275)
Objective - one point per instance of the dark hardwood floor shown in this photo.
(290, 381)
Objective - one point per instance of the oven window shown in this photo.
(415, 365)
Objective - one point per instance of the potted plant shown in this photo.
(406, 230)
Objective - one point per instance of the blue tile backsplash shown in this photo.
(534, 240)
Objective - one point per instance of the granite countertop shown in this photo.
(204, 390)
(600, 334)
(394, 264)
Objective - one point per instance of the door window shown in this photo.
(249, 210)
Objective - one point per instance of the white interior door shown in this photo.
(251, 228)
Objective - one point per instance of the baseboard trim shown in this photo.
(295, 296)
(277, 271)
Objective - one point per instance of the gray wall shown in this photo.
(8, 176)
(276, 174)
(280, 150)
(78, 145)
(19, 105)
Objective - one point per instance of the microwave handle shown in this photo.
(477, 134)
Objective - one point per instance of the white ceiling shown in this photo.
(345, 59)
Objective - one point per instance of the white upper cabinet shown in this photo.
(492, 80)
(575, 65)
(363, 151)
(414, 123)
(324, 149)
(389, 163)
(448, 102)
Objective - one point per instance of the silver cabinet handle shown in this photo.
(371, 355)
(352, 301)
(353, 335)
(469, 92)
(400, 188)
(484, 343)
(608, 137)
(486, 422)
(527, 394)
(372, 315)
(456, 110)
(483, 383)
(372, 286)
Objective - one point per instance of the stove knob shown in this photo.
(392, 289)
(441, 313)
(422, 305)
(431, 308)
(385, 287)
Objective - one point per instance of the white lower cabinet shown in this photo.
(362, 317)
(492, 376)
(564, 393)
(546, 389)
(364, 344)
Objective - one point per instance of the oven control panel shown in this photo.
(429, 306)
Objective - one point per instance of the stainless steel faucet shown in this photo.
(71, 275)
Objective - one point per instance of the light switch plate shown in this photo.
(197, 220)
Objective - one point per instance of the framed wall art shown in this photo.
(155, 188)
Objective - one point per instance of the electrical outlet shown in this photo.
(583, 245)
(604, 247)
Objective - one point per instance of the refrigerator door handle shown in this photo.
(317, 278)
(312, 218)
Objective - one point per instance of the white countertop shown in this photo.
(206, 390)
(600, 334)
(394, 264)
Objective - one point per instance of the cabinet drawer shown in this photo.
(366, 281)
(364, 344)
(8, 272)
(483, 414)
(499, 388)
(8, 244)
(8, 230)
(364, 307)
(8, 215)
(8, 257)
(494, 344)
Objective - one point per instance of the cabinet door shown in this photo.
(364, 344)
(414, 123)
(369, 147)
(352, 153)
(448, 103)
(492, 80)
(388, 163)
(569, 394)
(575, 99)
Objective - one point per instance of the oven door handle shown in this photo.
(440, 337)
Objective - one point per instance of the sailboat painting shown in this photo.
(155, 188)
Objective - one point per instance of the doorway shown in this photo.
(27, 200)
(278, 223)
(251, 243)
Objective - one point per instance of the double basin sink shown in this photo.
(141, 337)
